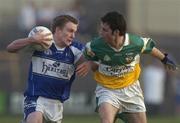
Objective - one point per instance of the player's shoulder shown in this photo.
(135, 39)
(97, 41)
(77, 44)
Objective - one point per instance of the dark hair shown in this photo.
(61, 20)
(116, 21)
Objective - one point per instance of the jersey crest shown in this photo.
(107, 58)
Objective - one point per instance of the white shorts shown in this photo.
(128, 99)
(51, 109)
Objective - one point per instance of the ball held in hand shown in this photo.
(43, 30)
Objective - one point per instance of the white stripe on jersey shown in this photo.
(145, 40)
(52, 68)
(118, 70)
(77, 53)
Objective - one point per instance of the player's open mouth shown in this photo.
(69, 42)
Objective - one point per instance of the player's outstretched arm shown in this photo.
(168, 63)
(18, 44)
(83, 67)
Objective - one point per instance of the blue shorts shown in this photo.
(30, 104)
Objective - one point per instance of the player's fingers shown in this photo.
(82, 69)
(82, 72)
(39, 32)
(45, 43)
(90, 53)
(170, 67)
(48, 39)
(79, 67)
(39, 37)
(47, 34)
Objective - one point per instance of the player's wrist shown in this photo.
(165, 59)
(31, 40)
(168, 62)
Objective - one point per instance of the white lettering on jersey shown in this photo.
(52, 68)
(115, 70)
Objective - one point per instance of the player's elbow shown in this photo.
(10, 49)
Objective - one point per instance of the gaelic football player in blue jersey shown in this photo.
(52, 71)
(116, 64)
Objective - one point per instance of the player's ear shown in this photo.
(57, 29)
(116, 32)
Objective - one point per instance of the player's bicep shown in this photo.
(148, 45)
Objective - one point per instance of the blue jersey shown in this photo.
(52, 71)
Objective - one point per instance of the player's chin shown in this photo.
(68, 43)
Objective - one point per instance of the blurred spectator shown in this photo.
(75, 10)
(177, 95)
(170, 87)
(154, 85)
(45, 14)
(78, 11)
(27, 18)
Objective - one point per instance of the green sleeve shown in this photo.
(143, 45)
(148, 46)
(86, 53)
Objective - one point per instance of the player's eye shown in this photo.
(105, 30)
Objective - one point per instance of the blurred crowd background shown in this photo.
(158, 19)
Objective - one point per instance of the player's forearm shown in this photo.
(157, 53)
(18, 44)
(168, 63)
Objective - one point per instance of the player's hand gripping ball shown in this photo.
(42, 46)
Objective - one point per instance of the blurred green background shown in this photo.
(95, 119)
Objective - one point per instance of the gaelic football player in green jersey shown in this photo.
(116, 56)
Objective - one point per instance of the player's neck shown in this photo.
(118, 42)
(58, 43)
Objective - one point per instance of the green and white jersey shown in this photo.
(118, 68)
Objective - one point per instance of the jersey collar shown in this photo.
(126, 42)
